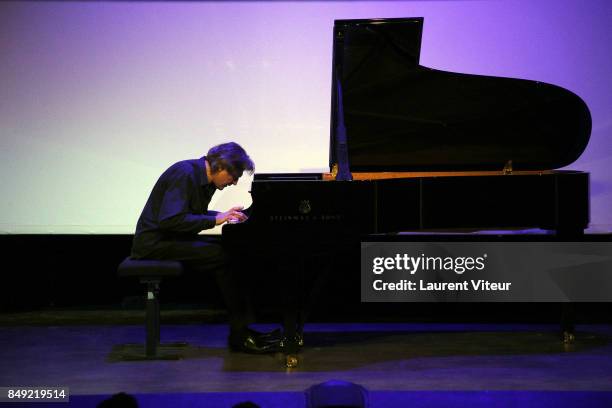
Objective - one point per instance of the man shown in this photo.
(177, 210)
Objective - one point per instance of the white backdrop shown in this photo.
(97, 99)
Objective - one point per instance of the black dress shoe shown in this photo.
(299, 336)
(290, 345)
(271, 336)
(298, 339)
(250, 344)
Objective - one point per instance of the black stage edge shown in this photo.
(67, 272)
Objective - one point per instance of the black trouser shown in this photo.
(205, 254)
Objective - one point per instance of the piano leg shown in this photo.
(567, 322)
(303, 275)
(292, 272)
(574, 233)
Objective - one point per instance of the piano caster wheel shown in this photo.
(291, 361)
(568, 337)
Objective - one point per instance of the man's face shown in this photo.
(222, 179)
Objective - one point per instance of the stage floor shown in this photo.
(381, 357)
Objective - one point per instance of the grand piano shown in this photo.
(414, 148)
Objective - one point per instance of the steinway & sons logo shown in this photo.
(304, 207)
(304, 210)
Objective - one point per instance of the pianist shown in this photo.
(177, 210)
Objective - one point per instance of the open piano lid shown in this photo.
(400, 116)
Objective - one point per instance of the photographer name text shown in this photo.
(472, 284)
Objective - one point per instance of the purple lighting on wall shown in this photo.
(98, 90)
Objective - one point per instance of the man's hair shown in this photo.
(230, 157)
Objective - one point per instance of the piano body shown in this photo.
(414, 148)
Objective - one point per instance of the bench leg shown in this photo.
(153, 349)
(152, 318)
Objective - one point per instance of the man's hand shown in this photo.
(233, 215)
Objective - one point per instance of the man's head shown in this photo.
(226, 163)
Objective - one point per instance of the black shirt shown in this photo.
(177, 207)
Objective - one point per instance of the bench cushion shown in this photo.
(149, 268)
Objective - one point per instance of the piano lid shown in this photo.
(401, 116)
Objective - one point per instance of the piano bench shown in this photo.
(150, 272)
